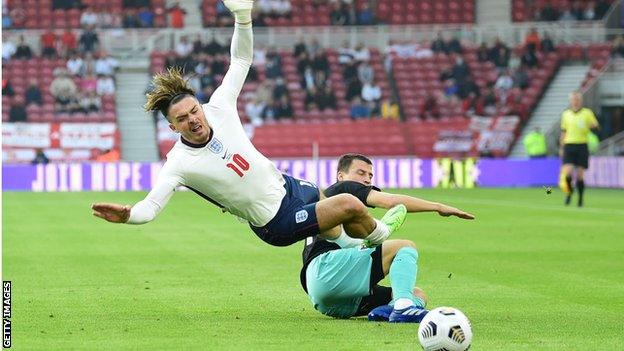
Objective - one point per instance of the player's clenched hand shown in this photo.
(112, 212)
(447, 211)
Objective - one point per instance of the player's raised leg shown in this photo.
(348, 211)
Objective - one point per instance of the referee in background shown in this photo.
(576, 125)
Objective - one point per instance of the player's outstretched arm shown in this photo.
(241, 53)
(413, 204)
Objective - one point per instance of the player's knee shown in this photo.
(352, 206)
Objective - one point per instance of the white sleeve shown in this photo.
(241, 57)
(146, 210)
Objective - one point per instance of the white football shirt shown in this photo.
(228, 171)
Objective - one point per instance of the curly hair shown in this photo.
(169, 88)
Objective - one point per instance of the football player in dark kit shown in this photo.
(341, 276)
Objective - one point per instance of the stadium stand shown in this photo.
(357, 12)
(61, 14)
(559, 10)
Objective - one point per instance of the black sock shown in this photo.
(580, 184)
(569, 183)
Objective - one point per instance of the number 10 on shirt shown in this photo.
(238, 165)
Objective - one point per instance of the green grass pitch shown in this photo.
(529, 273)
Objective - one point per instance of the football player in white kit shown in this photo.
(215, 159)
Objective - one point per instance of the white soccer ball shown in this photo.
(445, 329)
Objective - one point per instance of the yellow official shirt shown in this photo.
(577, 125)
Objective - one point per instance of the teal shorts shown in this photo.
(338, 280)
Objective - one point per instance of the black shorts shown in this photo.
(576, 154)
(380, 295)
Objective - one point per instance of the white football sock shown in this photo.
(402, 303)
(379, 234)
(345, 241)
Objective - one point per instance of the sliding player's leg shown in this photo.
(400, 261)
(340, 282)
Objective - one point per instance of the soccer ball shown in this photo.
(445, 329)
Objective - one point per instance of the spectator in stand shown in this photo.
(105, 85)
(308, 80)
(89, 18)
(529, 59)
(17, 112)
(365, 16)
(90, 102)
(75, 65)
(320, 66)
(430, 108)
(521, 78)
(483, 54)
(7, 21)
(280, 89)
(346, 55)
(547, 44)
(489, 101)
(69, 43)
(33, 93)
(223, 14)
(65, 4)
(146, 17)
(354, 89)
(108, 20)
(254, 110)
(460, 71)
(89, 41)
(130, 19)
(472, 105)
(283, 109)
(7, 88)
(282, 8)
(361, 53)
(310, 99)
(106, 65)
(371, 95)
(300, 47)
(8, 48)
(454, 45)
(532, 40)
(568, 15)
(548, 12)
(273, 64)
(184, 47)
(359, 110)
(365, 73)
(48, 43)
(577, 10)
(439, 45)
(338, 15)
(176, 16)
(325, 98)
(40, 157)
(64, 91)
(390, 109)
(589, 13)
(499, 54)
(23, 50)
(504, 84)
(618, 47)
(88, 83)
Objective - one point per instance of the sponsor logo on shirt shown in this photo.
(301, 216)
(215, 146)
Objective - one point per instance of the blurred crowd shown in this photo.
(89, 73)
(574, 10)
